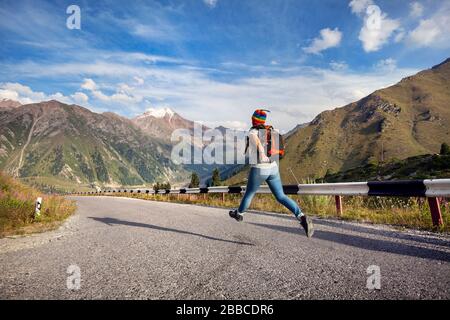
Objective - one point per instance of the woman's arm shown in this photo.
(254, 139)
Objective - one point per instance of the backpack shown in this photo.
(272, 141)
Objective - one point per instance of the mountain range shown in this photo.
(52, 143)
(407, 119)
(68, 145)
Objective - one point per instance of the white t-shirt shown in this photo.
(251, 149)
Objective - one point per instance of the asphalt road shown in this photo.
(127, 248)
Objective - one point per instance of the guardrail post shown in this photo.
(435, 209)
(338, 200)
(223, 197)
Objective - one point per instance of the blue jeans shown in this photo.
(272, 177)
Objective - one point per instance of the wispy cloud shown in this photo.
(329, 38)
(210, 3)
(387, 65)
(432, 31)
(416, 9)
(359, 7)
(24, 94)
(296, 97)
(214, 64)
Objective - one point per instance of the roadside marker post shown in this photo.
(37, 211)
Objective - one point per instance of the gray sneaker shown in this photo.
(307, 225)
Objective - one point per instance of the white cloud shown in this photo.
(294, 98)
(154, 32)
(210, 3)
(377, 28)
(295, 95)
(89, 84)
(400, 35)
(9, 94)
(359, 7)
(416, 10)
(328, 39)
(24, 94)
(432, 32)
(338, 65)
(386, 65)
(139, 81)
(80, 98)
(426, 33)
(122, 94)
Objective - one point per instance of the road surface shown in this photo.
(128, 248)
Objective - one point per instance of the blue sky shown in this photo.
(215, 61)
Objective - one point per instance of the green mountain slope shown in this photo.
(418, 167)
(70, 145)
(407, 119)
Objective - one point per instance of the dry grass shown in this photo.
(399, 212)
(17, 205)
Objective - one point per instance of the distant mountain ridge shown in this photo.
(54, 144)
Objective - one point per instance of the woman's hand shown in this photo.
(264, 158)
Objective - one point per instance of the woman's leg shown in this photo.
(274, 182)
(253, 183)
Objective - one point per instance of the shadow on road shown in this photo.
(362, 229)
(384, 233)
(113, 221)
(367, 243)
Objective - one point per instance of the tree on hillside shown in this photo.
(215, 180)
(195, 181)
(161, 186)
(157, 186)
(445, 149)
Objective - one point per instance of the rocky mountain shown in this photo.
(9, 104)
(68, 145)
(160, 123)
(295, 129)
(407, 119)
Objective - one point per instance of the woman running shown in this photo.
(265, 169)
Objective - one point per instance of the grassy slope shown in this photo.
(17, 205)
(419, 167)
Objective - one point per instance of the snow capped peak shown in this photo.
(158, 113)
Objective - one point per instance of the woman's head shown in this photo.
(259, 117)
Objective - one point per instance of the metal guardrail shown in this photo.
(431, 189)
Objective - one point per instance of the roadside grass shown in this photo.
(399, 212)
(17, 205)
